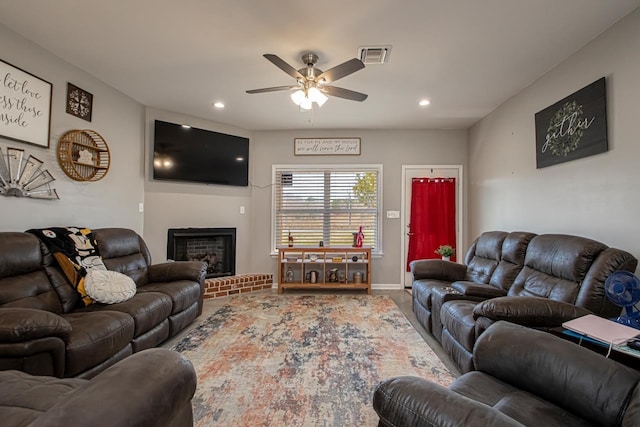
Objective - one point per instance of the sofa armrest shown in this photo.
(151, 388)
(178, 270)
(528, 311)
(478, 289)
(437, 269)
(412, 401)
(25, 324)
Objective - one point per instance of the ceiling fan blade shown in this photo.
(278, 62)
(342, 70)
(272, 89)
(344, 93)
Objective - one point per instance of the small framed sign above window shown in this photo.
(326, 146)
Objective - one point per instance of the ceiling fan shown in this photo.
(312, 84)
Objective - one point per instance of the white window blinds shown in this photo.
(326, 204)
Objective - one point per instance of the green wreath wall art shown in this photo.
(566, 128)
(574, 127)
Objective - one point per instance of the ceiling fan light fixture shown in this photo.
(298, 96)
(306, 103)
(316, 96)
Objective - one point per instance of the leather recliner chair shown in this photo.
(524, 377)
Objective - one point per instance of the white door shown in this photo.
(422, 171)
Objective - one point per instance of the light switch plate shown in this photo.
(393, 214)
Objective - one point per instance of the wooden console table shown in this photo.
(324, 268)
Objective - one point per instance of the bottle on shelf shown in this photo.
(290, 239)
(359, 238)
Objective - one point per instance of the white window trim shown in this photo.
(319, 167)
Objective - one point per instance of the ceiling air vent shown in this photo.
(374, 54)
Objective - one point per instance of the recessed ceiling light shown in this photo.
(218, 104)
(424, 103)
(186, 126)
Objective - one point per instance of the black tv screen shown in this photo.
(195, 155)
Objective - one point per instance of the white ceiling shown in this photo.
(466, 56)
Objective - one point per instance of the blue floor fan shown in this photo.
(623, 289)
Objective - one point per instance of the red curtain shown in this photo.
(433, 217)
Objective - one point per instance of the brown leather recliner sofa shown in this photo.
(524, 377)
(152, 388)
(45, 330)
(551, 278)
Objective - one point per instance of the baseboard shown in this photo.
(374, 286)
(387, 286)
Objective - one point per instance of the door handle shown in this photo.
(410, 234)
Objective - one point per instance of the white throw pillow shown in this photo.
(109, 287)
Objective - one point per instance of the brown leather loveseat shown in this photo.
(523, 377)
(538, 281)
(45, 330)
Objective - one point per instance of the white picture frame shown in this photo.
(326, 146)
(25, 106)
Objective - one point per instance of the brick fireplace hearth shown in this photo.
(225, 286)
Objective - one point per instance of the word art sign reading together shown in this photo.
(25, 106)
(326, 146)
(573, 127)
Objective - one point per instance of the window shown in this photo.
(327, 204)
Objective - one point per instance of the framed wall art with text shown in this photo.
(25, 106)
(574, 127)
(326, 146)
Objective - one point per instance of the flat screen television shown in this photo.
(196, 155)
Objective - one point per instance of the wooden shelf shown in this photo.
(76, 144)
(324, 268)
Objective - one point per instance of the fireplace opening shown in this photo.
(215, 246)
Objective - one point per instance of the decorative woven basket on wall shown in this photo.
(83, 155)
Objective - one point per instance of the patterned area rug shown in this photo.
(291, 360)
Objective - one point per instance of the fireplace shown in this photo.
(215, 246)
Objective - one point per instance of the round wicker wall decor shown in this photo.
(83, 155)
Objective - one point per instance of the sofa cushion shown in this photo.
(482, 387)
(148, 309)
(124, 251)
(109, 287)
(95, 337)
(483, 256)
(183, 293)
(23, 397)
(23, 280)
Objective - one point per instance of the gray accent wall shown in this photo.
(110, 202)
(390, 148)
(595, 197)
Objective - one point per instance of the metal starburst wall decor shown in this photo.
(24, 177)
